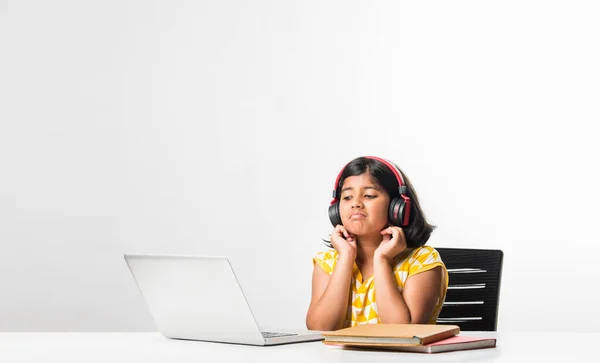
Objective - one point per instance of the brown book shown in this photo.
(390, 334)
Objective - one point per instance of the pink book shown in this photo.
(454, 343)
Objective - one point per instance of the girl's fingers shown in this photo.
(387, 231)
(343, 232)
(391, 230)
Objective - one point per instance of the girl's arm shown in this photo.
(330, 294)
(412, 305)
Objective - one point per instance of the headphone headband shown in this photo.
(402, 189)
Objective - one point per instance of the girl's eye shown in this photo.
(369, 196)
(347, 197)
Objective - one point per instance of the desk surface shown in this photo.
(153, 347)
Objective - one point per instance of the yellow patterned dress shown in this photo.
(363, 309)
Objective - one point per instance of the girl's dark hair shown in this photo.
(418, 230)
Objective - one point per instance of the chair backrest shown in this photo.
(473, 288)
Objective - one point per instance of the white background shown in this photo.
(218, 127)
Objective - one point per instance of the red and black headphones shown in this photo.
(399, 210)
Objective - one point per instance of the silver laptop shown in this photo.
(199, 298)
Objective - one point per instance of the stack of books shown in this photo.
(421, 338)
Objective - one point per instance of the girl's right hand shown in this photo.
(343, 241)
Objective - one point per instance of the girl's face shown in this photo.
(363, 205)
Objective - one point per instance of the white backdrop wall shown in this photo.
(218, 127)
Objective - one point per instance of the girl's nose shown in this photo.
(357, 203)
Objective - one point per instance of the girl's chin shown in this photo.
(360, 228)
(359, 232)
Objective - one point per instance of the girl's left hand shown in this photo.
(393, 243)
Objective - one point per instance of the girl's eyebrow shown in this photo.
(369, 187)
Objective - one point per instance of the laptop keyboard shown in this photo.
(267, 334)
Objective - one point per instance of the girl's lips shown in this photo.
(357, 215)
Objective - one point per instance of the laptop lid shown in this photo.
(199, 298)
(195, 297)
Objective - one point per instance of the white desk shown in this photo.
(153, 347)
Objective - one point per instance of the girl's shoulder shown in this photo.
(326, 260)
(329, 255)
(427, 253)
(420, 256)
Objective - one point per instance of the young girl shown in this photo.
(379, 271)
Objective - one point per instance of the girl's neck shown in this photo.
(366, 246)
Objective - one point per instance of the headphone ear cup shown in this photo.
(334, 214)
(396, 212)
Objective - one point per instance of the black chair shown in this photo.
(473, 288)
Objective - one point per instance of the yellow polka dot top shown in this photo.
(363, 306)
